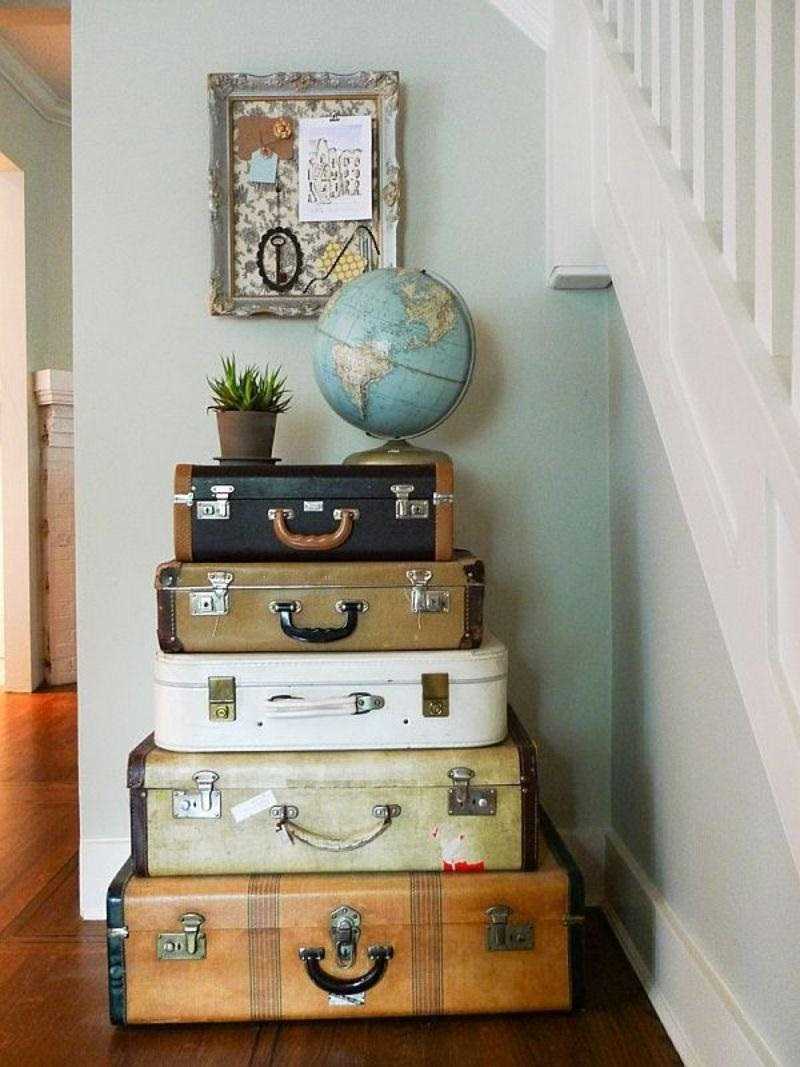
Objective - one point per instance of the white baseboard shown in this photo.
(100, 859)
(705, 1022)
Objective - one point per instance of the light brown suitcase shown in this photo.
(295, 812)
(311, 946)
(320, 607)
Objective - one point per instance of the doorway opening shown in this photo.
(21, 629)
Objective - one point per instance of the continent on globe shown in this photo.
(357, 367)
(433, 306)
(394, 351)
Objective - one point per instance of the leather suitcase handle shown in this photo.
(284, 825)
(318, 635)
(313, 542)
(345, 987)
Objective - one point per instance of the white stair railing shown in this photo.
(692, 184)
(698, 63)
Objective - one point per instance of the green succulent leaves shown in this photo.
(249, 389)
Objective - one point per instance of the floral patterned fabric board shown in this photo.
(258, 206)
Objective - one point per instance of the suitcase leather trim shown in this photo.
(138, 813)
(529, 788)
(473, 605)
(115, 918)
(138, 802)
(577, 911)
(166, 581)
(443, 514)
(182, 514)
(137, 760)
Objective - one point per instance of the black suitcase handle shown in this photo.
(345, 987)
(318, 635)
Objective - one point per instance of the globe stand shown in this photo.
(399, 451)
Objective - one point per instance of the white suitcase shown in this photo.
(306, 701)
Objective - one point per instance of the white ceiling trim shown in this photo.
(531, 16)
(33, 88)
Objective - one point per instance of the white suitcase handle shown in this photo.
(290, 707)
(285, 814)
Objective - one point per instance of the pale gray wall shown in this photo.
(530, 442)
(42, 150)
(689, 796)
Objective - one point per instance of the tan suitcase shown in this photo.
(311, 946)
(453, 809)
(320, 607)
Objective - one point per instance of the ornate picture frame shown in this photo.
(248, 219)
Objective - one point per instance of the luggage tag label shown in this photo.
(346, 1000)
(248, 808)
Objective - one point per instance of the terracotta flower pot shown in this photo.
(246, 434)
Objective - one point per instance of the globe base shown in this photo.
(398, 451)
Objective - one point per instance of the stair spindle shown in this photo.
(774, 178)
(738, 171)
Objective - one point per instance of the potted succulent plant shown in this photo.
(247, 403)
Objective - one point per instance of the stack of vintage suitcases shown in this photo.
(337, 815)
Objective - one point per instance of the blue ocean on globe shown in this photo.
(394, 351)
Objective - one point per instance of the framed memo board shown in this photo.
(304, 187)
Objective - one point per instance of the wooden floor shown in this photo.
(52, 965)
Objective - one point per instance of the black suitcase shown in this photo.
(270, 513)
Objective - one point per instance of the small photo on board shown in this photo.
(335, 165)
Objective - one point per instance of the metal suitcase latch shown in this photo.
(464, 799)
(214, 601)
(222, 699)
(345, 932)
(435, 696)
(188, 944)
(409, 509)
(206, 803)
(219, 507)
(425, 601)
(503, 937)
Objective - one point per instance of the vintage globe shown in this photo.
(394, 352)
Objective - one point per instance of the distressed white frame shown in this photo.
(223, 89)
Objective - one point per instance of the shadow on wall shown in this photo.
(488, 513)
(299, 435)
(633, 786)
(483, 400)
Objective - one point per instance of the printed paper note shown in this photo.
(335, 160)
